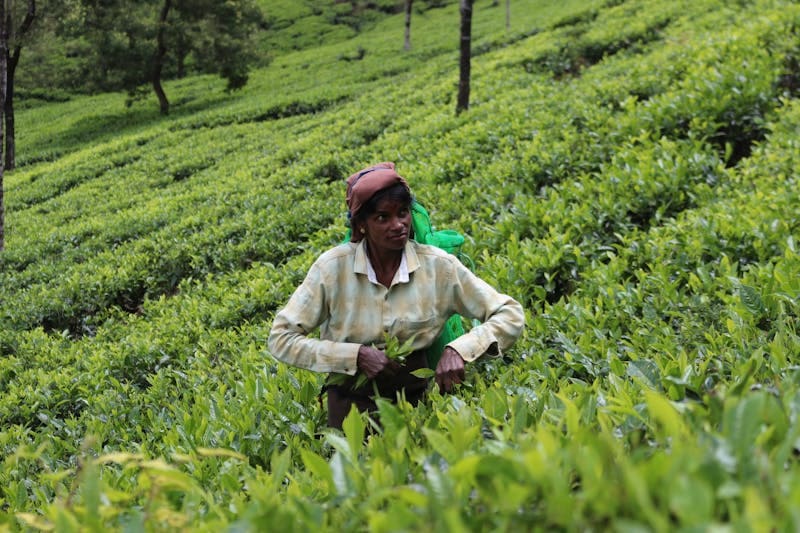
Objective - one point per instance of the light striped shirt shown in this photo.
(338, 297)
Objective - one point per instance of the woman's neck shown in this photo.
(385, 263)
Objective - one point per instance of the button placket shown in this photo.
(386, 313)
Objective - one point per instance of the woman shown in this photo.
(383, 283)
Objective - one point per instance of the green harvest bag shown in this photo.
(450, 241)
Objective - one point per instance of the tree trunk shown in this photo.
(12, 60)
(8, 109)
(508, 14)
(3, 68)
(407, 43)
(158, 59)
(466, 51)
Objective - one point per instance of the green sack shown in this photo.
(450, 241)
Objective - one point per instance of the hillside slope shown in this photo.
(627, 170)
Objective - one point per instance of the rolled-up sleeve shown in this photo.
(289, 339)
(502, 317)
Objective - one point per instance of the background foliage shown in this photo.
(627, 170)
(84, 47)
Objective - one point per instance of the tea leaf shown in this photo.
(645, 371)
(354, 427)
(319, 467)
(751, 299)
(423, 373)
(220, 452)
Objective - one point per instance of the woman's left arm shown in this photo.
(502, 317)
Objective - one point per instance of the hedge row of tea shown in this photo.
(627, 170)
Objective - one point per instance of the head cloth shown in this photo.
(363, 185)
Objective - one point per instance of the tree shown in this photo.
(407, 43)
(465, 56)
(3, 72)
(158, 57)
(13, 38)
(496, 3)
(141, 43)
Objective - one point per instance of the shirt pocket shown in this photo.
(423, 329)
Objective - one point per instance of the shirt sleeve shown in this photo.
(289, 339)
(502, 317)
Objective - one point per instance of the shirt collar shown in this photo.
(408, 264)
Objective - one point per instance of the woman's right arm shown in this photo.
(289, 339)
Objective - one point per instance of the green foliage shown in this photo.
(642, 204)
(131, 45)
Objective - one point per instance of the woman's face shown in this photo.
(388, 228)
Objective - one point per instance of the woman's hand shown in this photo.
(372, 362)
(450, 370)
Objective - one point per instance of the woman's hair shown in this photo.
(395, 193)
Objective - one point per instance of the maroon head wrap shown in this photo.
(362, 185)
